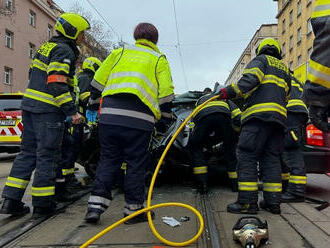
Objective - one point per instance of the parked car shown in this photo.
(10, 122)
(316, 150)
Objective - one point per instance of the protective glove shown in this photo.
(222, 93)
(91, 115)
(319, 117)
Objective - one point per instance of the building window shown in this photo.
(291, 42)
(291, 65)
(9, 5)
(299, 8)
(283, 49)
(308, 2)
(9, 37)
(299, 35)
(309, 52)
(291, 17)
(8, 76)
(309, 26)
(49, 31)
(32, 18)
(283, 26)
(299, 60)
(32, 49)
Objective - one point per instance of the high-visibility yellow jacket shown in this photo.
(317, 87)
(51, 71)
(140, 70)
(265, 85)
(296, 104)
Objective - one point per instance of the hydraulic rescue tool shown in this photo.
(250, 231)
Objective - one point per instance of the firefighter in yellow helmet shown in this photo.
(137, 90)
(265, 86)
(73, 134)
(317, 87)
(46, 103)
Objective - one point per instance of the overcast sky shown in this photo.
(213, 33)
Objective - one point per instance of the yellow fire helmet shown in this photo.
(91, 63)
(269, 42)
(71, 24)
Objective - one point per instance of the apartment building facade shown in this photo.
(265, 30)
(24, 25)
(295, 34)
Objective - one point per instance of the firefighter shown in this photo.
(214, 123)
(137, 91)
(265, 85)
(73, 134)
(317, 87)
(293, 166)
(46, 102)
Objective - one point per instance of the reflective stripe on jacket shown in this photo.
(296, 104)
(51, 70)
(317, 87)
(265, 85)
(134, 70)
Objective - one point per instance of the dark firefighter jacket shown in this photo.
(317, 87)
(84, 81)
(224, 107)
(265, 86)
(51, 72)
(296, 104)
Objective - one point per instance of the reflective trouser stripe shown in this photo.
(43, 191)
(298, 179)
(232, 175)
(248, 186)
(200, 170)
(66, 172)
(285, 176)
(17, 183)
(272, 187)
(98, 202)
(131, 208)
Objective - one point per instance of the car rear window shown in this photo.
(10, 104)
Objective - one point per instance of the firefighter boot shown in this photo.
(289, 197)
(242, 208)
(72, 184)
(92, 217)
(62, 194)
(13, 207)
(272, 208)
(39, 212)
(139, 218)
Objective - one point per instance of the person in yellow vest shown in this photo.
(137, 91)
(317, 87)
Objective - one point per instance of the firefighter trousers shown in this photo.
(40, 152)
(72, 139)
(118, 144)
(260, 143)
(209, 131)
(293, 166)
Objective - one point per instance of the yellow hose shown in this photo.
(149, 207)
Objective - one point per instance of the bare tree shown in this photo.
(98, 31)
